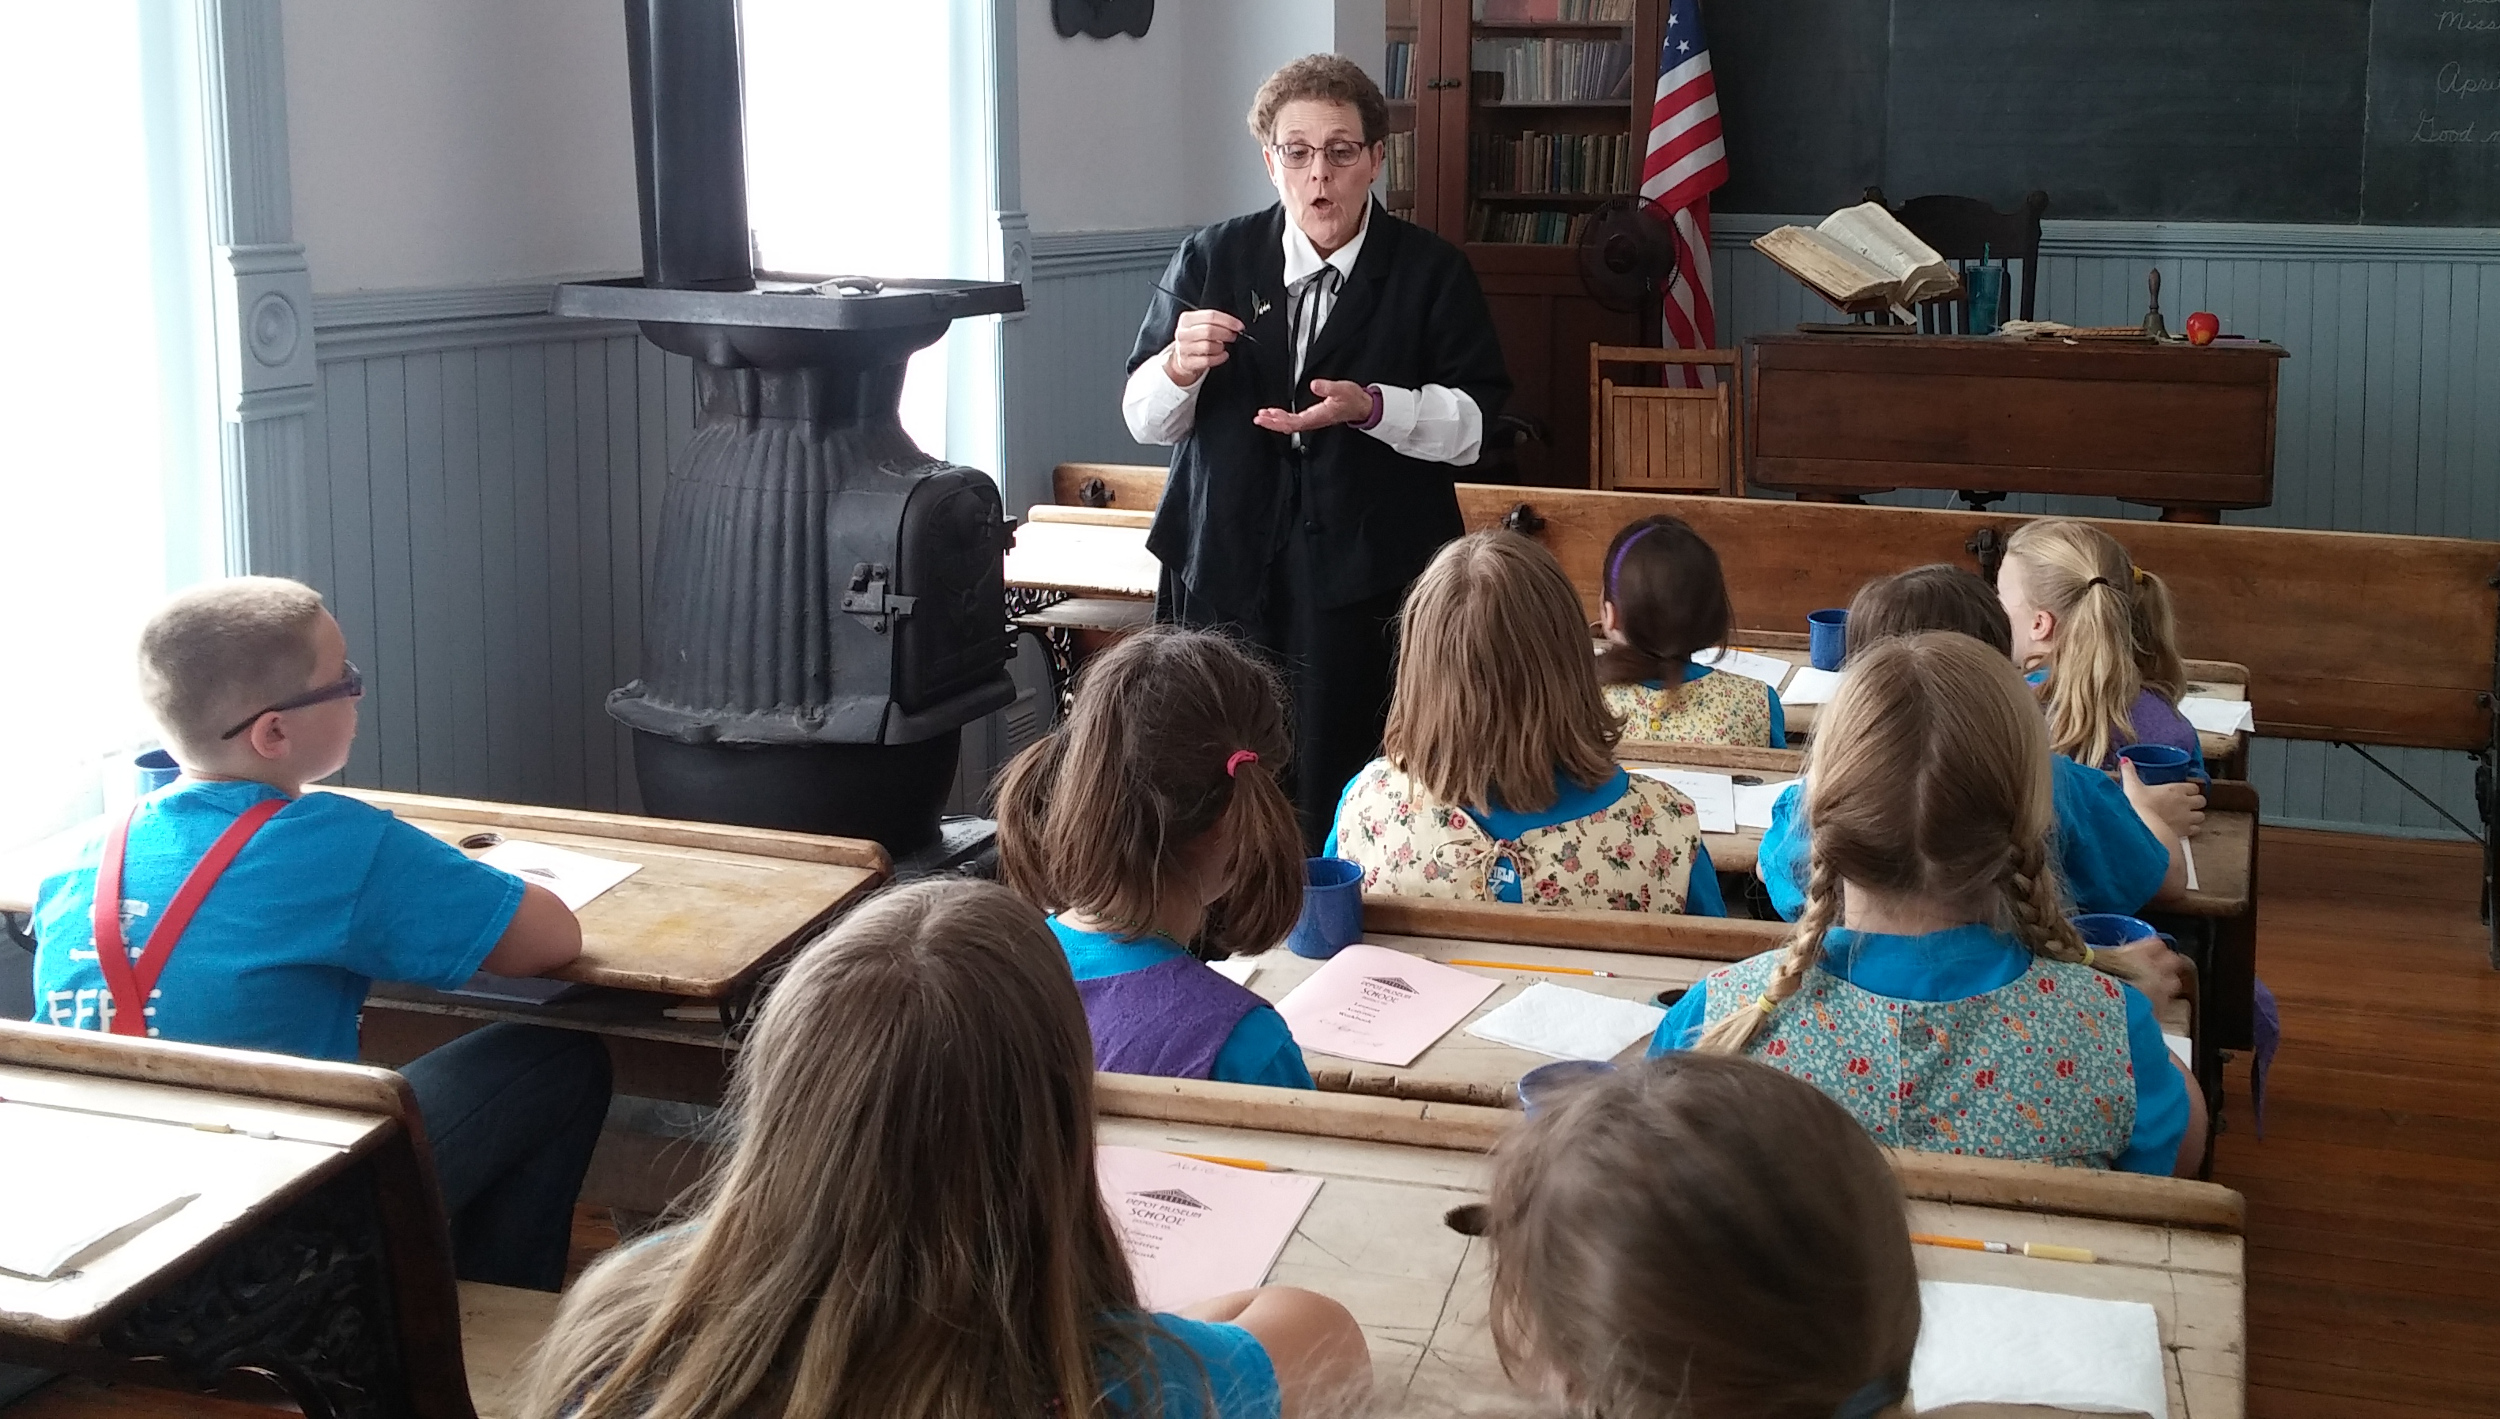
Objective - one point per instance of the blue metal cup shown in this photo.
(1332, 909)
(1827, 637)
(1983, 290)
(2159, 763)
(1548, 1083)
(2103, 930)
(153, 770)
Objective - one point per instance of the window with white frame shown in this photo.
(109, 470)
(870, 151)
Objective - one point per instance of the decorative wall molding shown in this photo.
(1012, 233)
(1094, 253)
(2258, 241)
(264, 299)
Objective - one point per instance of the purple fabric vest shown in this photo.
(2156, 721)
(1170, 1019)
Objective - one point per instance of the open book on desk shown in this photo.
(1862, 259)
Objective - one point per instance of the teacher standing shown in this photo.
(1323, 370)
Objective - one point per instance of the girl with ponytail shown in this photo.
(2093, 630)
(1665, 602)
(1934, 987)
(1153, 825)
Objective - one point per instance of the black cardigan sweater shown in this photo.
(1411, 314)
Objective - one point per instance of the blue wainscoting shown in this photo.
(481, 485)
(1067, 356)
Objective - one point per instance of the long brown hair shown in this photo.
(1929, 777)
(1670, 600)
(1175, 733)
(1701, 1238)
(1496, 688)
(907, 1225)
(2115, 639)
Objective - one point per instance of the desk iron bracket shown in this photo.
(1523, 520)
(1988, 545)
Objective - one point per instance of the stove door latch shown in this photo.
(868, 599)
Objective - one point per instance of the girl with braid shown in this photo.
(2093, 631)
(1933, 986)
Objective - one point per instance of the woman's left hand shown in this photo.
(1341, 401)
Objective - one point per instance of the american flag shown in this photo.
(1687, 161)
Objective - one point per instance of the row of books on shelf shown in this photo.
(1398, 77)
(1398, 161)
(1530, 228)
(1554, 70)
(1554, 12)
(1539, 163)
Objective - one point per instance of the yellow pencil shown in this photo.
(2040, 1251)
(1524, 966)
(1251, 1163)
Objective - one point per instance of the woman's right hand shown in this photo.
(1200, 343)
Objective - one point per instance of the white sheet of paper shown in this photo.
(2002, 1345)
(1810, 686)
(2212, 716)
(1194, 1229)
(1713, 795)
(2187, 856)
(1754, 802)
(1237, 969)
(76, 1186)
(575, 877)
(1380, 1006)
(1769, 669)
(1562, 1023)
(2183, 1047)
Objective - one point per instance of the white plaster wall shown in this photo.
(1129, 133)
(459, 142)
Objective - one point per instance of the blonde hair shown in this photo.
(1100, 816)
(1929, 778)
(1702, 1238)
(2114, 640)
(907, 1225)
(1497, 684)
(220, 650)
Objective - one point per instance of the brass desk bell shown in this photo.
(2153, 327)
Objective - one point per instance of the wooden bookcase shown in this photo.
(1465, 121)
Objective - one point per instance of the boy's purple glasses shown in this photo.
(348, 686)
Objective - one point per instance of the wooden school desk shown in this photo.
(2187, 430)
(1375, 1239)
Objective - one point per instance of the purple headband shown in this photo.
(1614, 569)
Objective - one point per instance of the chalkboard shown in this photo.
(2382, 111)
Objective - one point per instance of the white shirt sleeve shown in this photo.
(1436, 423)
(1157, 410)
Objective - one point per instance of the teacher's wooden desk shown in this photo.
(1375, 1238)
(2173, 426)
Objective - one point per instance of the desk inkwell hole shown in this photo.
(1467, 1219)
(478, 842)
(1666, 999)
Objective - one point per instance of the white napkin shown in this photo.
(1237, 969)
(1568, 1024)
(2004, 1345)
(2212, 716)
(1810, 686)
(1769, 669)
(1713, 795)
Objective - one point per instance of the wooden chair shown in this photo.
(1967, 232)
(1646, 439)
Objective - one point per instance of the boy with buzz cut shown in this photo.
(254, 915)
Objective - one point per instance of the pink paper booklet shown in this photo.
(1194, 1229)
(1380, 1006)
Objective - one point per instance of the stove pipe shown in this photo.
(827, 608)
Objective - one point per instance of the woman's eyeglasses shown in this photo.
(1341, 154)
(349, 686)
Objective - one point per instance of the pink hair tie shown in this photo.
(1232, 766)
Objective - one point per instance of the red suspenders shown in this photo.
(132, 984)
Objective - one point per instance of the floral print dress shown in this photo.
(1636, 854)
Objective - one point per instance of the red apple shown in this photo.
(2202, 327)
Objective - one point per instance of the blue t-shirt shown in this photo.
(330, 896)
(1240, 1378)
(1779, 715)
(1571, 801)
(1964, 961)
(1260, 1049)
(2107, 859)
